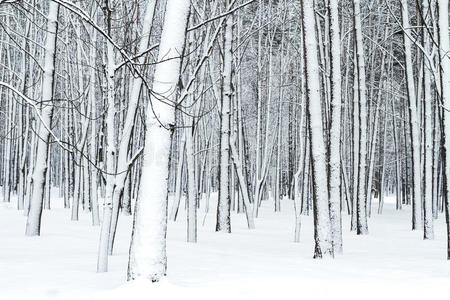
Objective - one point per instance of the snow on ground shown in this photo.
(258, 264)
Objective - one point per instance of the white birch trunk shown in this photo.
(373, 142)
(122, 158)
(224, 201)
(361, 201)
(414, 123)
(148, 244)
(428, 233)
(322, 229)
(93, 144)
(445, 86)
(241, 179)
(40, 169)
(297, 184)
(335, 130)
(103, 248)
(179, 178)
(355, 146)
(192, 186)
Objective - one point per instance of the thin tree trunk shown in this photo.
(224, 201)
(445, 86)
(361, 202)
(414, 123)
(335, 130)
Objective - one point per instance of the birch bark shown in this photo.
(322, 229)
(40, 169)
(148, 243)
(413, 123)
(445, 90)
(335, 130)
(361, 201)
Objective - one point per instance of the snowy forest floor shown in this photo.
(392, 261)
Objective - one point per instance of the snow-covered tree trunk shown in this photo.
(93, 144)
(335, 129)
(103, 249)
(148, 243)
(79, 191)
(40, 169)
(428, 232)
(122, 157)
(383, 163)
(22, 164)
(397, 151)
(437, 160)
(179, 178)
(298, 185)
(277, 195)
(67, 161)
(355, 143)
(322, 229)
(24, 117)
(259, 104)
(278, 171)
(265, 153)
(444, 47)
(306, 189)
(224, 201)
(192, 186)
(7, 150)
(373, 140)
(361, 202)
(237, 151)
(29, 183)
(241, 179)
(414, 122)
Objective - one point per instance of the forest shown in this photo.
(182, 144)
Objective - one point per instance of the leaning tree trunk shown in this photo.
(148, 242)
(123, 165)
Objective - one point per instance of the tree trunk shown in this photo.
(148, 243)
(322, 229)
(335, 129)
(224, 200)
(413, 122)
(40, 169)
(445, 86)
(361, 202)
